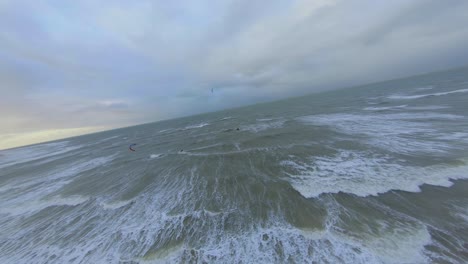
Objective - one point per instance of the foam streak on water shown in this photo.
(374, 174)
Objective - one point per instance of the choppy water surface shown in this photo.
(374, 174)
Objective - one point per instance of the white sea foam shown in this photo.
(115, 204)
(166, 130)
(237, 146)
(37, 205)
(429, 107)
(280, 243)
(460, 212)
(131, 236)
(385, 108)
(106, 139)
(147, 233)
(55, 177)
(30, 153)
(236, 151)
(454, 137)
(425, 88)
(261, 126)
(417, 96)
(388, 241)
(399, 132)
(196, 126)
(29, 194)
(155, 156)
(364, 174)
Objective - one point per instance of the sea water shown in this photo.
(371, 174)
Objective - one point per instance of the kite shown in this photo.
(130, 147)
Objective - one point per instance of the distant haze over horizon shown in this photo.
(20, 140)
(72, 68)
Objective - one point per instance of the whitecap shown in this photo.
(29, 194)
(380, 130)
(115, 204)
(364, 174)
(425, 88)
(154, 156)
(384, 108)
(27, 207)
(196, 126)
(21, 155)
(429, 107)
(258, 127)
(408, 97)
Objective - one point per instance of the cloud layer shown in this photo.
(78, 64)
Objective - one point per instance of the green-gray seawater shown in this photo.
(373, 174)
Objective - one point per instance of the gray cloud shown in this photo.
(318, 51)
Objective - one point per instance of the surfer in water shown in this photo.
(231, 129)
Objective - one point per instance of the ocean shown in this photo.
(370, 174)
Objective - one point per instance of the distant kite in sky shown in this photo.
(130, 147)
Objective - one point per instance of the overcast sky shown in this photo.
(71, 67)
